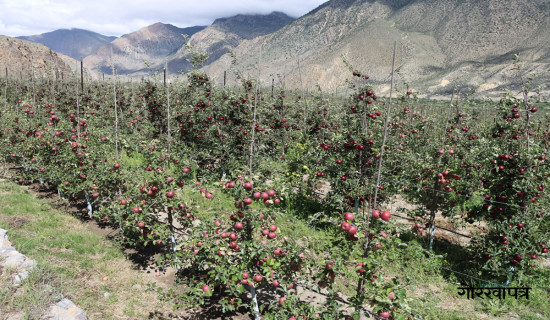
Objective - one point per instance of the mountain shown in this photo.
(22, 57)
(142, 50)
(251, 26)
(227, 33)
(149, 48)
(441, 44)
(75, 43)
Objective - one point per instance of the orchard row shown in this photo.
(137, 152)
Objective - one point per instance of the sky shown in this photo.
(118, 17)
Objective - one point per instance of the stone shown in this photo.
(28, 264)
(13, 261)
(20, 277)
(17, 316)
(64, 310)
(5, 243)
(7, 251)
(65, 304)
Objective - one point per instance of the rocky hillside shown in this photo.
(442, 44)
(227, 33)
(75, 43)
(147, 50)
(141, 51)
(21, 57)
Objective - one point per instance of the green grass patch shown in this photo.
(72, 260)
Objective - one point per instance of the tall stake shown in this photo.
(168, 106)
(116, 111)
(6, 89)
(32, 76)
(385, 128)
(302, 95)
(251, 156)
(81, 76)
(77, 113)
(361, 281)
(54, 76)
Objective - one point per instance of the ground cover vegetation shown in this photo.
(252, 191)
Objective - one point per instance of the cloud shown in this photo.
(118, 17)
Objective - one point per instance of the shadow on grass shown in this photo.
(310, 210)
(144, 257)
(455, 262)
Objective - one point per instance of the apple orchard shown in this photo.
(147, 158)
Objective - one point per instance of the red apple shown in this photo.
(345, 226)
(348, 216)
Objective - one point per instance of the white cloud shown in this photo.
(117, 17)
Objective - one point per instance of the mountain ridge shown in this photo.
(441, 44)
(75, 43)
(25, 59)
(139, 51)
(147, 50)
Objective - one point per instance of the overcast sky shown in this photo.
(118, 17)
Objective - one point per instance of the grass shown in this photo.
(426, 275)
(31, 298)
(73, 260)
